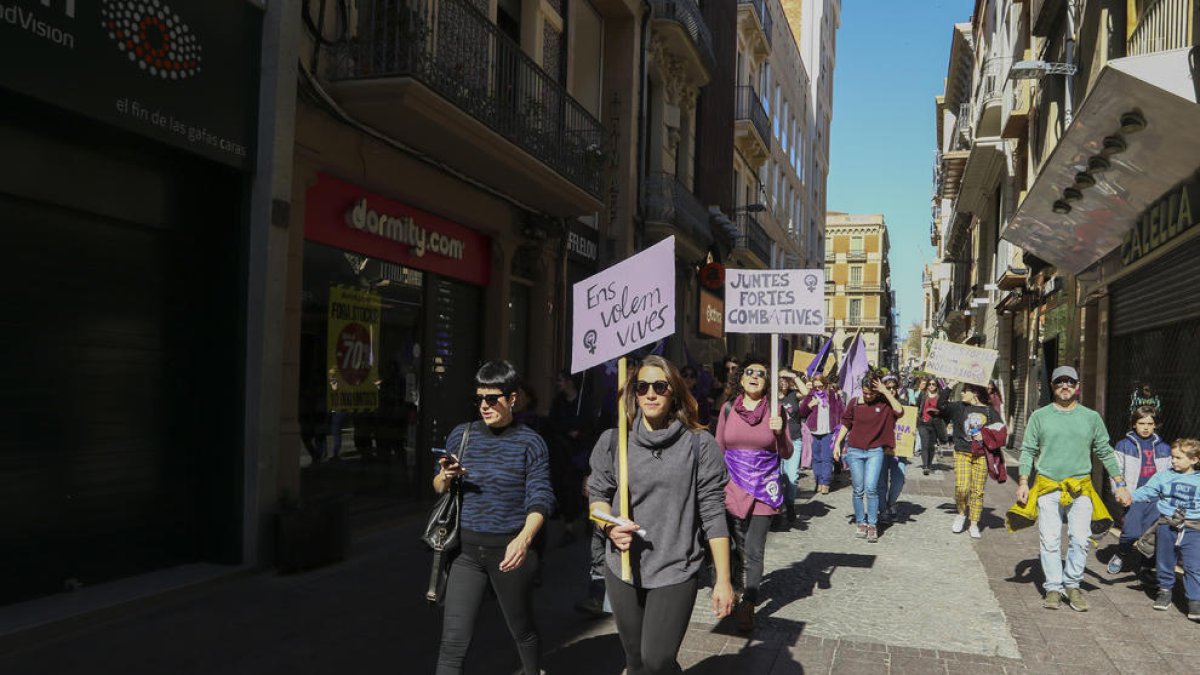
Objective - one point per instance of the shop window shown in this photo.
(360, 373)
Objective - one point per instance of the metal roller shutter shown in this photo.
(1164, 293)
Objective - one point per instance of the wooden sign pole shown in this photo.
(774, 383)
(623, 461)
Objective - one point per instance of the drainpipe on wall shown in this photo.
(643, 124)
(1068, 79)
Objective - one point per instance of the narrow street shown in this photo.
(922, 600)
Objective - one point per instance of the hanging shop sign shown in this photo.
(1164, 220)
(346, 216)
(184, 73)
(583, 243)
(712, 276)
(353, 349)
(712, 315)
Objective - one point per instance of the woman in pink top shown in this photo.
(754, 440)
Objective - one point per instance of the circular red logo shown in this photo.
(712, 276)
(353, 352)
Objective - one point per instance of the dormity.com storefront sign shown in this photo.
(348, 217)
(183, 72)
(1166, 219)
(712, 315)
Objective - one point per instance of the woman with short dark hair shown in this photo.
(507, 496)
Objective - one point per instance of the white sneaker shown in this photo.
(975, 533)
(960, 523)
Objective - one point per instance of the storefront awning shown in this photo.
(1161, 88)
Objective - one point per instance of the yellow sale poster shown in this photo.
(353, 349)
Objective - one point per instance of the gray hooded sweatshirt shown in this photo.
(674, 498)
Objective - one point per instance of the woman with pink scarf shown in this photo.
(754, 440)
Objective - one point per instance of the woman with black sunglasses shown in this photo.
(676, 478)
(505, 469)
(754, 440)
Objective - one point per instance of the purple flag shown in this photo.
(854, 366)
(817, 364)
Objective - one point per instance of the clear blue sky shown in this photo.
(891, 62)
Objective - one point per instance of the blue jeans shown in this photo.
(1139, 517)
(1079, 529)
(891, 480)
(864, 474)
(1189, 550)
(790, 470)
(822, 458)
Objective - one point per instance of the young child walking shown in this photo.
(1141, 455)
(1177, 494)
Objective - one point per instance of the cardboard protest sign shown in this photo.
(626, 306)
(961, 362)
(906, 432)
(800, 360)
(775, 301)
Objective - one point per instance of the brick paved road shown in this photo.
(919, 601)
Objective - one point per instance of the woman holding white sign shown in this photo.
(676, 478)
(754, 440)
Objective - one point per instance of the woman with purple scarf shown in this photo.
(754, 440)
(822, 415)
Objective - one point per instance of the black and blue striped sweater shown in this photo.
(508, 477)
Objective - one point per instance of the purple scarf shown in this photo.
(750, 417)
(757, 472)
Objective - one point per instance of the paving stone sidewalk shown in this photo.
(922, 600)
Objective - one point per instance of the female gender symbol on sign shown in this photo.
(353, 353)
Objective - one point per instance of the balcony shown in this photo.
(752, 128)
(671, 209)
(861, 287)
(861, 322)
(755, 25)
(442, 78)
(1015, 115)
(1162, 26)
(989, 96)
(856, 256)
(752, 239)
(682, 27)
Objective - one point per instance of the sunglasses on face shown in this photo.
(754, 372)
(1065, 382)
(492, 399)
(661, 387)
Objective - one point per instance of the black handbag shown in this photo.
(441, 533)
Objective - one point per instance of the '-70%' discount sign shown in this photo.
(775, 301)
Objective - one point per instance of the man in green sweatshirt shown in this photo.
(1061, 439)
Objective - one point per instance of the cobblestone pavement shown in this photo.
(920, 601)
(920, 586)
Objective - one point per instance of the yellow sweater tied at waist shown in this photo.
(1024, 515)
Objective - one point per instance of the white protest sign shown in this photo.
(775, 301)
(961, 362)
(626, 306)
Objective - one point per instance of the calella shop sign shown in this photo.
(184, 72)
(348, 217)
(1166, 219)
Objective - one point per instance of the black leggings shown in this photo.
(750, 538)
(651, 622)
(472, 571)
(929, 439)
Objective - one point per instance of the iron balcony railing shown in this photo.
(1162, 25)
(764, 15)
(686, 13)
(856, 256)
(964, 129)
(452, 48)
(670, 201)
(752, 237)
(992, 75)
(749, 107)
